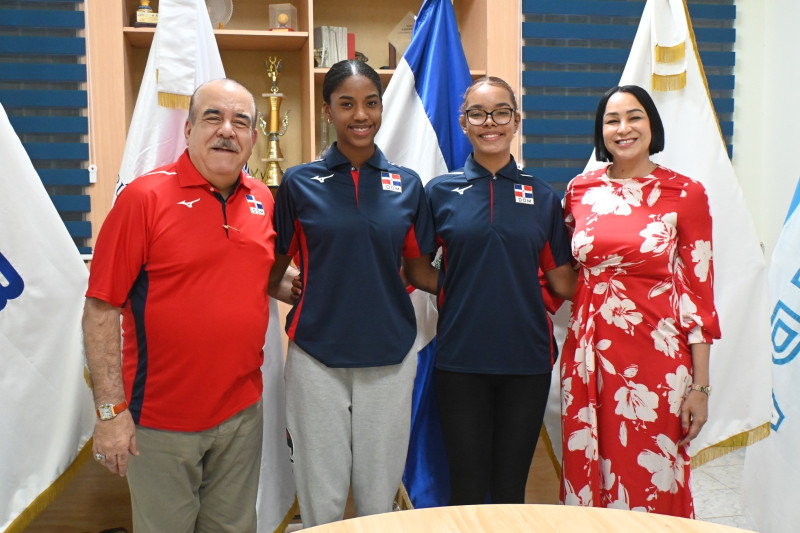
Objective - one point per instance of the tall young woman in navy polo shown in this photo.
(497, 227)
(352, 219)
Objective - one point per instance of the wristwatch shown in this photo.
(107, 411)
(705, 389)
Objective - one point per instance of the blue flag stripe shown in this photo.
(441, 75)
(795, 202)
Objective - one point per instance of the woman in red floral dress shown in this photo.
(634, 370)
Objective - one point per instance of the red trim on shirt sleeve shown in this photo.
(410, 245)
(546, 260)
(299, 241)
(294, 246)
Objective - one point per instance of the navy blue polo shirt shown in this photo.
(348, 230)
(495, 232)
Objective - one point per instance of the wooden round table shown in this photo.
(526, 518)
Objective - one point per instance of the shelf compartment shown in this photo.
(231, 39)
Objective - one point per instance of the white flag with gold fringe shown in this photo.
(671, 71)
(183, 55)
(45, 404)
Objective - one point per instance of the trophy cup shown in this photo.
(273, 174)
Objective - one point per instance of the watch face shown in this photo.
(106, 411)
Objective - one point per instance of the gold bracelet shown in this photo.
(705, 389)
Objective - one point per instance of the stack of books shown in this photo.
(332, 42)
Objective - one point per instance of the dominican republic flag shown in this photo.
(771, 480)
(46, 406)
(184, 55)
(391, 182)
(420, 130)
(740, 407)
(523, 194)
(256, 207)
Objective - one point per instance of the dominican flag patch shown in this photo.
(391, 182)
(256, 207)
(523, 194)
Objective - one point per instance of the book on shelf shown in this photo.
(351, 46)
(332, 42)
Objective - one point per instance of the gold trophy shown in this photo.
(273, 174)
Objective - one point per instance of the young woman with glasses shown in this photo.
(498, 227)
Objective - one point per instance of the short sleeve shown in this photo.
(420, 239)
(121, 249)
(695, 266)
(558, 244)
(285, 218)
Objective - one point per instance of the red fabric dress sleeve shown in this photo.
(695, 266)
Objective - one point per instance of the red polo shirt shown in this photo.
(190, 271)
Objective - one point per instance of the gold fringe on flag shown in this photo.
(290, 514)
(670, 54)
(173, 101)
(49, 494)
(548, 444)
(402, 499)
(731, 444)
(671, 82)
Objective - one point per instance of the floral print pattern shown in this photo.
(645, 293)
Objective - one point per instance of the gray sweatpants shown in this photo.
(349, 429)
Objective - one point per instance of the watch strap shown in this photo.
(705, 389)
(115, 409)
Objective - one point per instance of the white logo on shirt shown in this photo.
(188, 204)
(321, 179)
(460, 190)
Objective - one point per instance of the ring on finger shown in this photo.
(99, 457)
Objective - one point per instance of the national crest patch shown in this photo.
(256, 207)
(523, 194)
(391, 182)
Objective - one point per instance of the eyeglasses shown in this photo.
(501, 116)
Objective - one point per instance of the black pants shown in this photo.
(490, 424)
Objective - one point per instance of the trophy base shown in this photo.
(274, 174)
(145, 19)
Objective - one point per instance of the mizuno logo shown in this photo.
(460, 190)
(188, 204)
(321, 179)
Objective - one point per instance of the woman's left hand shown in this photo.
(694, 414)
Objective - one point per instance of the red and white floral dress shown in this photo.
(644, 294)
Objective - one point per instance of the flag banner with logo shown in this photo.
(46, 406)
(740, 406)
(420, 130)
(184, 55)
(771, 480)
